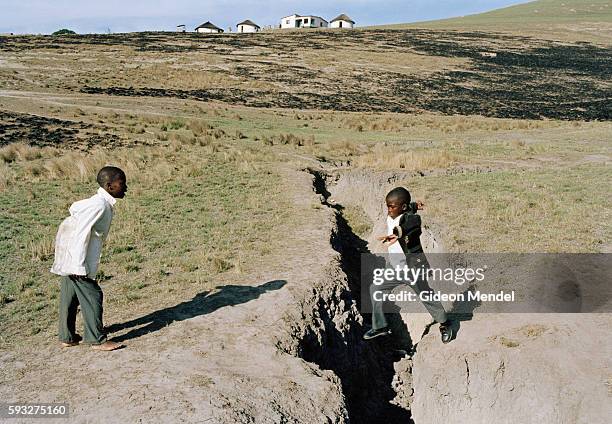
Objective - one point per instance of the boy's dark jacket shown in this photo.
(408, 232)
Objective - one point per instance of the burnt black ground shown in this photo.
(528, 78)
(42, 131)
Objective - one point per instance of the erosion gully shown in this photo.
(375, 375)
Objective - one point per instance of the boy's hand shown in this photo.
(420, 205)
(388, 239)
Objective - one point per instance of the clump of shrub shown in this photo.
(289, 139)
(20, 152)
(176, 124)
(64, 31)
(199, 127)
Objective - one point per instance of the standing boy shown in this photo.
(78, 247)
(404, 247)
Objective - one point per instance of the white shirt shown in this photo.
(396, 254)
(78, 244)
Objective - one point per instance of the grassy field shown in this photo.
(532, 183)
(510, 154)
(541, 12)
(538, 210)
(195, 215)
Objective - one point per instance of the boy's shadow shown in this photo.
(203, 303)
(462, 311)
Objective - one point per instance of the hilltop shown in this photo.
(571, 20)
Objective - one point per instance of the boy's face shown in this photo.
(395, 207)
(117, 188)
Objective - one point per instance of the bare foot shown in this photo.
(107, 346)
(75, 342)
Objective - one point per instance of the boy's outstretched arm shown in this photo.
(416, 206)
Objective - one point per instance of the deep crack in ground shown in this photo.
(366, 369)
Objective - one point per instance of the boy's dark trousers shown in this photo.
(379, 321)
(85, 291)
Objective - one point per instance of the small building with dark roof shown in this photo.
(247, 26)
(342, 21)
(208, 27)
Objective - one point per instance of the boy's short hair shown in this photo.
(401, 194)
(108, 174)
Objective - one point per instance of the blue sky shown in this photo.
(46, 16)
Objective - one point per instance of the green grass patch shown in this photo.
(173, 236)
(545, 210)
(358, 220)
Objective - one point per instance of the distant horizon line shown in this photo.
(265, 26)
(273, 26)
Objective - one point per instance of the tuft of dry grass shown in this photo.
(504, 341)
(7, 175)
(371, 123)
(533, 330)
(41, 249)
(362, 122)
(199, 127)
(22, 152)
(413, 160)
(289, 139)
(36, 164)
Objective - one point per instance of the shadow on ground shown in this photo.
(202, 304)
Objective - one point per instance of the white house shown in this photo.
(180, 28)
(208, 27)
(247, 26)
(342, 21)
(307, 21)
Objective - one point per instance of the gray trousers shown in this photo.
(75, 291)
(379, 320)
